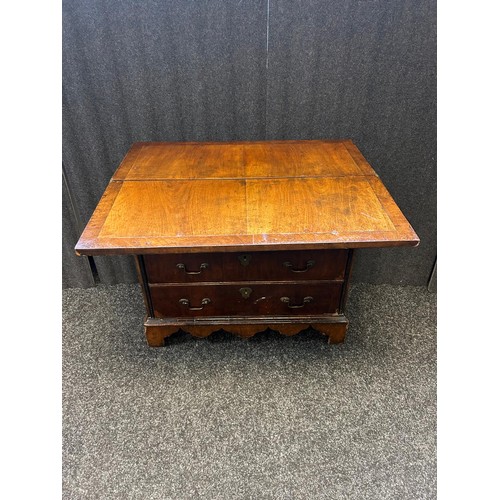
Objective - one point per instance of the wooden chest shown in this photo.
(244, 236)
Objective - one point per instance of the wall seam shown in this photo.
(267, 70)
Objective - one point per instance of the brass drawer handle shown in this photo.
(183, 267)
(305, 301)
(185, 302)
(309, 264)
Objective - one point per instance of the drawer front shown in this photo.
(293, 265)
(245, 299)
(184, 268)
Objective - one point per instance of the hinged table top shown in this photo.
(268, 195)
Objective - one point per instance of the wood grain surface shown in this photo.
(158, 329)
(268, 195)
(264, 298)
(292, 265)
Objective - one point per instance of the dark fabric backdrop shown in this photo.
(252, 69)
(76, 271)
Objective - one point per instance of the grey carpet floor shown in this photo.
(269, 418)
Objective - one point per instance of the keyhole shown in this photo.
(244, 259)
(245, 292)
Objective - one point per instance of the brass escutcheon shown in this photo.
(245, 292)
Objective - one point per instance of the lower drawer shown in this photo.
(246, 299)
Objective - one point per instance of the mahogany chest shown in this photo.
(244, 236)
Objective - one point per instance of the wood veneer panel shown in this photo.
(301, 265)
(188, 161)
(149, 161)
(314, 205)
(166, 269)
(226, 299)
(299, 159)
(218, 213)
(177, 209)
(263, 266)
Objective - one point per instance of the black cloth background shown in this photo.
(251, 70)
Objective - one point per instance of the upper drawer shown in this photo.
(293, 265)
(285, 265)
(184, 268)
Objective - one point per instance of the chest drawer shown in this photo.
(184, 268)
(291, 265)
(245, 299)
